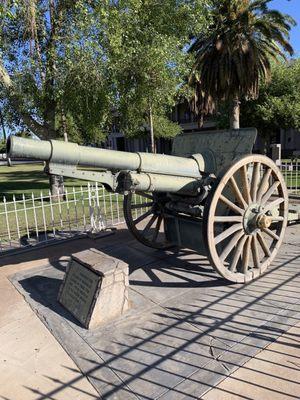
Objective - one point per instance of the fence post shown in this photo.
(26, 218)
(44, 218)
(34, 215)
(41, 216)
(17, 219)
(7, 221)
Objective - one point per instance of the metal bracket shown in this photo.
(106, 177)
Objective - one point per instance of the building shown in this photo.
(289, 138)
(181, 114)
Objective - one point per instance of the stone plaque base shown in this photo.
(95, 287)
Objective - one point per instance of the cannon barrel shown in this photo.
(67, 153)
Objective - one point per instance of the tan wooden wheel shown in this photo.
(144, 216)
(245, 218)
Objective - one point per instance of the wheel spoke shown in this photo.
(141, 205)
(142, 217)
(273, 204)
(234, 228)
(237, 253)
(263, 244)
(245, 184)
(245, 218)
(229, 247)
(272, 234)
(157, 228)
(246, 255)
(279, 218)
(228, 218)
(269, 193)
(147, 195)
(237, 192)
(254, 182)
(231, 205)
(255, 252)
(149, 224)
(264, 184)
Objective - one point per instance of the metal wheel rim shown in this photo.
(156, 219)
(258, 191)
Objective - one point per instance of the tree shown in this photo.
(144, 42)
(278, 105)
(234, 55)
(47, 55)
(3, 144)
(2, 125)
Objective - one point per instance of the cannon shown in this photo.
(212, 195)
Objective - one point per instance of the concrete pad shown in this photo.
(32, 364)
(186, 331)
(272, 374)
(293, 234)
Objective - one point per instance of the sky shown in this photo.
(291, 7)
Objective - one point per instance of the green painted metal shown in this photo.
(195, 156)
(158, 183)
(72, 154)
(226, 145)
(107, 178)
(185, 233)
(183, 179)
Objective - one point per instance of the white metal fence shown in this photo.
(32, 220)
(291, 172)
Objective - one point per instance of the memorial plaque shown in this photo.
(95, 287)
(79, 291)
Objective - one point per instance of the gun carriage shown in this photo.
(211, 195)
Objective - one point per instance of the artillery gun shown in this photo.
(211, 195)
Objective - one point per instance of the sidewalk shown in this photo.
(273, 374)
(33, 365)
(31, 361)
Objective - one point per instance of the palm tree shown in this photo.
(235, 54)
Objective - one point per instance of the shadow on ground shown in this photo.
(186, 331)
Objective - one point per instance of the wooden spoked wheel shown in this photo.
(144, 216)
(245, 218)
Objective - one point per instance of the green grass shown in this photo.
(30, 178)
(27, 179)
(17, 220)
(292, 179)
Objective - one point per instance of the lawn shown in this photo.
(28, 179)
(292, 179)
(32, 215)
(28, 217)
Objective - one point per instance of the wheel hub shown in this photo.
(254, 218)
(263, 221)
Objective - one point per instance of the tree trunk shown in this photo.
(152, 140)
(8, 160)
(14, 100)
(64, 125)
(57, 187)
(51, 109)
(2, 124)
(200, 120)
(235, 114)
(56, 182)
